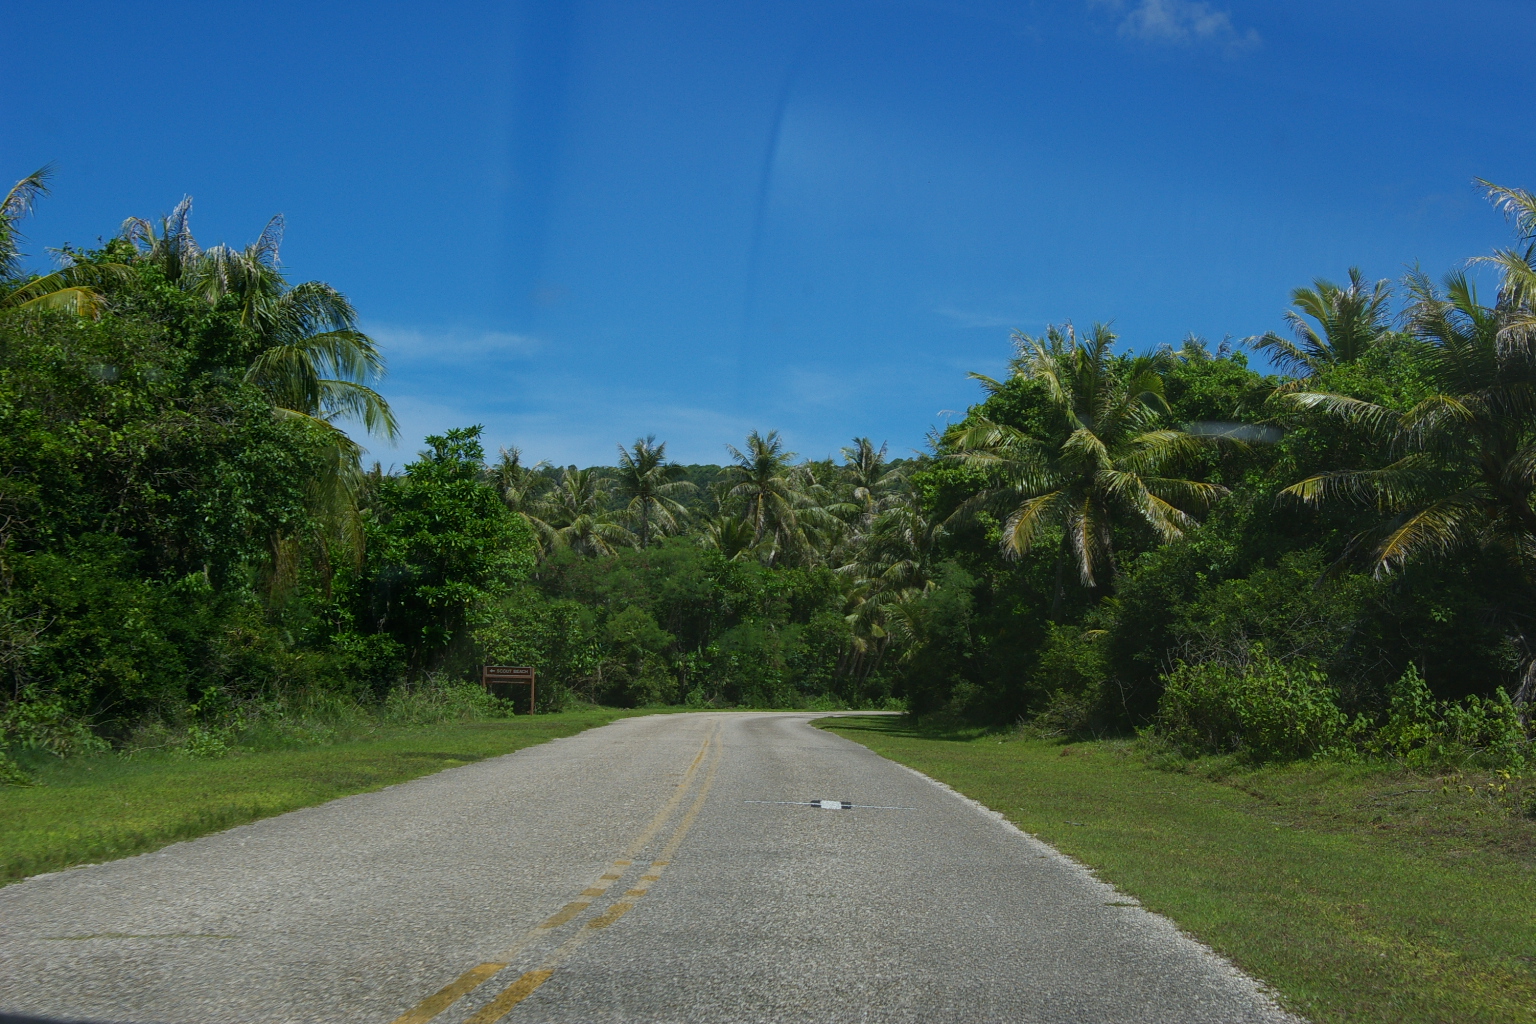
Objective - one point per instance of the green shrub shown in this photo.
(1266, 710)
(11, 773)
(1071, 671)
(1476, 732)
(47, 725)
(206, 741)
(440, 701)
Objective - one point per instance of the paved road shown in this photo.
(664, 869)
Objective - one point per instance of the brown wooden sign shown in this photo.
(492, 675)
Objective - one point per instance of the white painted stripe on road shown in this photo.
(832, 805)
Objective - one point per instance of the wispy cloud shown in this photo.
(969, 318)
(1180, 23)
(450, 344)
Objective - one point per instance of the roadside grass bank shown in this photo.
(90, 808)
(1359, 892)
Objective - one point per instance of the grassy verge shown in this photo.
(88, 809)
(1361, 893)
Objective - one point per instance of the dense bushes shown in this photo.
(678, 623)
(1265, 709)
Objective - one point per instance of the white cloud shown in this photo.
(450, 344)
(1180, 23)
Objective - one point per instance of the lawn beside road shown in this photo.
(92, 809)
(1358, 893)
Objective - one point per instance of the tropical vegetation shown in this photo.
(1332, 557)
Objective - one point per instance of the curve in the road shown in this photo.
(699, 867)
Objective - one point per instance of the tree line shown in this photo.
(1279, 563)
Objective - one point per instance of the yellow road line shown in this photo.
(524, 987)
(515, 993)
(449, 994)
(474, 977)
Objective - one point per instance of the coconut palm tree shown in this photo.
(650, 485)
(309, 358)
(520, 488)
(575, 514)
(72, 288)
(1105, 462)
(1352, 319)
(168, 245)
(1462, 469)
(731, 536)
(1517, 265)
(873, 483)
(763, 478)
(1463, 460)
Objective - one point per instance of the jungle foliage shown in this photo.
(1337, 558)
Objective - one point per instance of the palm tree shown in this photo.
(72, 288)
(1104, 463)
(309, 358)
(520, 488)
(1518, 266)
(1463, 459)
(1463, 469)
(763, 478)
(889, 569)
(731, 536)
(575, 514)
(895, 552)
(650, 484)
(1352, 319)
(168, 245)
(873, 482)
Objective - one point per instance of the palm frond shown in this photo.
(1023, 527)
(1435, 530)
(1354, 411)
(1390, 488)
(17, 205)
(1516, 204)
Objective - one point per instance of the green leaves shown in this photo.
(442, 544)
(1101, 461)
(1353, 318)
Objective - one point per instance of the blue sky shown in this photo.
(581, 222)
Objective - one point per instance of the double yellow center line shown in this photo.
(529, 982)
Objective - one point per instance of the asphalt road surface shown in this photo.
(669, 868)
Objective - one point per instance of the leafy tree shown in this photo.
(441, 545)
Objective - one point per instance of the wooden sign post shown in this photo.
(492, 675)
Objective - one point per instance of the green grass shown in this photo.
(1360, 893)
(92, 809)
